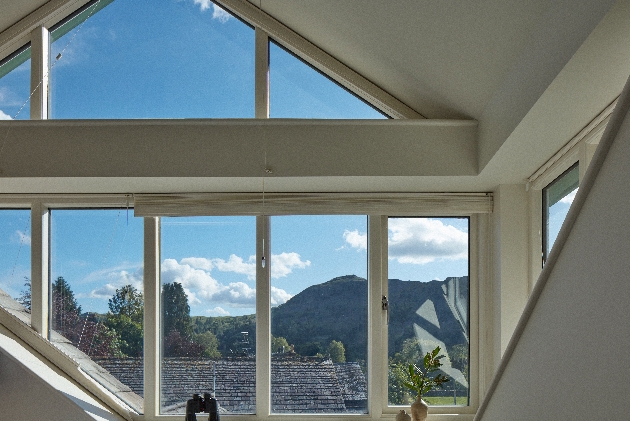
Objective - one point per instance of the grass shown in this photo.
(445, 400)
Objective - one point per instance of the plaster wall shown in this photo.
(32, 390)
(569, 357)
(510, 230)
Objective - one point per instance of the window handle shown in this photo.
(385, 306)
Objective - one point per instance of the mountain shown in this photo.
(337, 310)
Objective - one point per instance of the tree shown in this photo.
(25, 295)
(127, 301)
(336, 351)
(125, 318)
(210, 344)
(84, 331)
(176, 345)
(175, 310)
(279, 344)
(130, 334)
(65, 307)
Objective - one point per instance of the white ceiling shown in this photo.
(533, 73)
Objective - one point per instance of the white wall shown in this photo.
(31, 390)
(570, 357)
(510, 258)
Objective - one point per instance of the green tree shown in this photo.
(65, 307)
(127, 301)
(125, 318)
(279, 344)
(85, 331)
(25, 295)
(175, 310)
(336, 351)
(210, 344)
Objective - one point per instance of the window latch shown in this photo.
(385, 306)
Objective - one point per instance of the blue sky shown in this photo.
(190, 59)
(98, 251)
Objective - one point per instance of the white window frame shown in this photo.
(475, 206)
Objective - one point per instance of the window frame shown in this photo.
(377, 284)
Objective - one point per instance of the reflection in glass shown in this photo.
(319, 314)
(296, 90)
(428, 288)
(557, 199)
(97, 306)
(15, 80)
(208, 326)
(144, 59)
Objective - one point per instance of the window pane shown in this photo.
(296, 90)
(428, 297)
(96, 291)
(208, 277)
(15, 257)
(557, 199)
(145, 59)
(319, 314)
(15, 80)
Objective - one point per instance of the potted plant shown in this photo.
(422, 381)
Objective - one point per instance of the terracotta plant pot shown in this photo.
(419, 410)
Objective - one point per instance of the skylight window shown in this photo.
(557, 199)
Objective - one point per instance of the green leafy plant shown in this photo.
(421, 380)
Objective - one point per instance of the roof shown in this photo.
(298, 384)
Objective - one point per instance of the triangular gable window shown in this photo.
(138, 59)
(14, 85)
(296, 90)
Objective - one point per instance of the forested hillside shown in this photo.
(337, 311)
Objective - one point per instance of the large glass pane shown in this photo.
(15, 81)
(557, 199)
(208, 327)
(296, 90)
(319, 314)
(96, 292)
(15, 257)
(153, 59)
(428, 288)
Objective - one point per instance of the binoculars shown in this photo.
(207, 404)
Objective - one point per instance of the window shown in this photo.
(309, 350)
(319, 315)
(15, 81)
(428, 284)
(208, 308)
(97, 304)
(557, 199)
(135, 59)
(15, 255)
(296, 90)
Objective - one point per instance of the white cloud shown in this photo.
(203, 4)
(195, 276)
(356, 240)
(4, 116)
(218, 311)
(23, 238)
(568, 199)
(279, 296)
(283, 264)
(219, 14)
(198, 263)
(237, 265)
(423, 240)
(115, 278)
